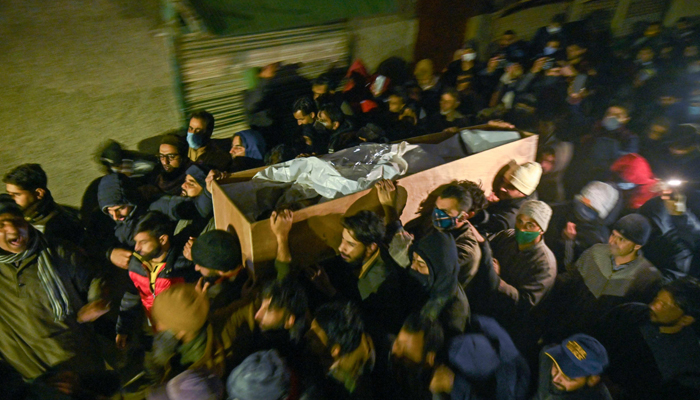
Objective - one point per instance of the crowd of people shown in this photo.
(576, 278)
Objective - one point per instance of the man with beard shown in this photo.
(202, 150)
(155, 265)
(27, 184)
(217, 256)
(343, 354)
(481, 364)
(605, 276)
(572, 369)
(174, 163)
(364, 273)
(338, 128)
(47, 292)
(654, 350)
(118, 199)
(193, 209)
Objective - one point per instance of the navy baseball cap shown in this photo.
(579, 356)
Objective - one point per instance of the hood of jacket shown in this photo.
(116, 190)
(439, 251)
(254, 144)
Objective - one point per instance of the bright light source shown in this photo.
(674, 182)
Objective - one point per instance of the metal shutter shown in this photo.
(211, 68)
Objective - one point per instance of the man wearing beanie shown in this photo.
(193, 209)
(261, 376)
(513, 185)
(217, 256)
(523, 273)
(572, 370)
(606, 275)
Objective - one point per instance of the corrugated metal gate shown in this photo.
(211, 68)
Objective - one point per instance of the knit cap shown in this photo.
(599, 196)
(191, 384)
(199, 175)
(537, 210)
(634, 227)
(526, 177)
(180, 308)
(261, 376)
(217, 249)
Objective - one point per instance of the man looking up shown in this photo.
(27, 184)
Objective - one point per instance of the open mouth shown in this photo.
(16, 242)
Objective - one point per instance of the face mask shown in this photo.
(424, 280)
(611, 123)
(468, 56)
(552, 30)
(548, 51)
(693, 111)
(694, 69)
(523, 237)
(442, 221)
(196, 141)
(626, 185)
(584, 213)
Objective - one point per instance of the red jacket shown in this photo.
(177, 269)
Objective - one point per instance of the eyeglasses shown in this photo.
(169, 157)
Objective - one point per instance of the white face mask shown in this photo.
(468, 56)
(552, 30)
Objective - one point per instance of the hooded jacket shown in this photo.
(635, 169)
(254, 144)
(118, 190)
(489, 354)
(439, 252)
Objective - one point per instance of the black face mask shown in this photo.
(412, 379)
(424, 280)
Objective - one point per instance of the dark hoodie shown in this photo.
(487, 364)
(117, 190)
(446, 299)
(54, 221)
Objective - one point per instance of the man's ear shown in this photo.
(637, 247)
(289, 323)
(371, 249)
(39, 193)
(336, 125)
(593, 380)
(313, 115)
(430, 358)
(163, 239)
(335, 351)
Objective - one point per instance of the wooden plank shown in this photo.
(316, 230)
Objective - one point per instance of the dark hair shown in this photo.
(333, 112)
(176, 141)
(280, 153)
(27, 176)
(509, 32)
(559, 18)
(366, 227)
(433, 334)
(452, 92)
(156, 224)
(207, 118)
(372, 133)
(288, 295)
(686, 293)
(306, 105)
(457, 192)
(322, 80)
(342, 324)
(401, 93)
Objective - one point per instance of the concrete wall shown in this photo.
(378, 38)
(77, 73)
(681, 8)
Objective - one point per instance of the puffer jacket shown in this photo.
(177, 269)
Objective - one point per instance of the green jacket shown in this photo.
(31, 340)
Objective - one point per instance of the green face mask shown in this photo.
(523, 237)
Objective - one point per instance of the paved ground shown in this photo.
(75, 73)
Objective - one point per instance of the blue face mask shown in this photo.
(442, 221)
(626, 185)
(584, 213)
(196, 141)
(548, 51)
(693, 111)
(611, 123)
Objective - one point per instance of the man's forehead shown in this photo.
(10, 217)
(348, 235)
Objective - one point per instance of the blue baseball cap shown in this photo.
(579, 356)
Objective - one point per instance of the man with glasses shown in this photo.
(172, 155)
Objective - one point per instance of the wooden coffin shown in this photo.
(316, 230)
